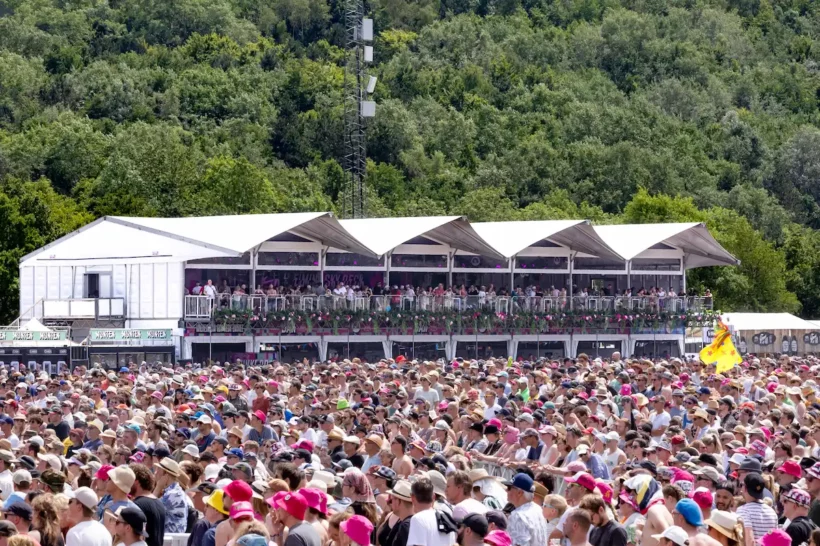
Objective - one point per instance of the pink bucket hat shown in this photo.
(316, 499)
(778, 537)
(358, 528)
(498, 538)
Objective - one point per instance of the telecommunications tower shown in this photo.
(357, 108)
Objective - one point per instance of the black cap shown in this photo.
(134, 518)
(478, 427)
(20, 509)
(491, 429)
(498, 518)
(708, 458)
(343, 465)
(477, 523)
(755, 486)
(303, 454)
(28, 462)
(650, 466)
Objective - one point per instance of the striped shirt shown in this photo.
(760, 517)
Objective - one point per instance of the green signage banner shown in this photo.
(124, 334)
(25, 335)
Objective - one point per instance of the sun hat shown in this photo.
(791, 468)
(215, 501)
(797, 496)
(724, 523)
(402, 490)
(169, 465)
(191, 450)
(315, 498)
(358, 528)
(241, 510)
(123, 477)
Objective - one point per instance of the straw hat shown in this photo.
(724, 523)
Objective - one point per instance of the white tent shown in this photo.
(510, 238)
(381, 235)
(35, 325)
(766, 321)
(694, 239)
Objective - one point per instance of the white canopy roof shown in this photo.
(700, 248)
(116, 239)
(381, 235)
(35, 325)
(510, 238)
(766, 321)
(241, 233)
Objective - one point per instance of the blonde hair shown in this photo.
(20, 540)
(252, 527)
(46, 519)
(557, 503)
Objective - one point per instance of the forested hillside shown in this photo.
(614, 110)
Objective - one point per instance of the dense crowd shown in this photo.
(570, 452)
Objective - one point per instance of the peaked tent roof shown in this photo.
(114, 239)
(510, 238)
(382, 235)
(701, 249)
(240, 233)
(766, 321)
(105, 242)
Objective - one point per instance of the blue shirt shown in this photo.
(113, 506)
(176, 509)
(597, 467)
(92, 445)
(203, 442)
(209, 539)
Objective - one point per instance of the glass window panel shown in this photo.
(418, 260)
(350, 259)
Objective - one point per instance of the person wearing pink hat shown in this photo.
(241, 511)
(704, 499)
(290, 511)
(317, 509)
(498, 538)
(260, 432)
(796, 504)
(777, 537)
(356, 531)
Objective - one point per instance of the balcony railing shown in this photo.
(204, 307)
(84, 308)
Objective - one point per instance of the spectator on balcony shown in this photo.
(209, 289)
(197, 289)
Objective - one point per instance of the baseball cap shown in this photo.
(690, 511)
(292, 503)
(675, 534)
(583, 479)
(521, 481)
(134, 518)
(477, 523)
(20, 509)
(755, 485)
(87, 497)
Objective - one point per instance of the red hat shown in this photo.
(358, 528)
(316, 499)
(293, 503)
(303, 444)
(239, 491)
(792, 468)
(102, 473)
(259, 414)
(583, 479)
(678, 439)
(703, 498)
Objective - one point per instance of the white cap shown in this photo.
(675, 534)
(87, 497)
(612, 436)
(191, 450)
(21, 476)
(582, 449)
(51, 460)
(212, 471)
(204, 419)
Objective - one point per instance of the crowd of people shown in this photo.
(463, 296)
(570, 452)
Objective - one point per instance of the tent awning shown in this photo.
(694, 239)
(382, 235)
(766, 321)
(510, 238)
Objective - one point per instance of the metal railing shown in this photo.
(203, 307)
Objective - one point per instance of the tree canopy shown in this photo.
(613, 110)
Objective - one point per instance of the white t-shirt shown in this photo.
(88, 533)
(424, 531)
(659, 420)
(468, 506)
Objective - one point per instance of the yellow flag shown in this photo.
(721, 351)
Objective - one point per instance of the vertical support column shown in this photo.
(451, 257)
(683, 275)
(322, 345)
(388, 348)
(570, 290)
(322, 258)
(450, 349)
(252, 283)
(628, 274)
(512, 348)
(512, 274)
(387, 258)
